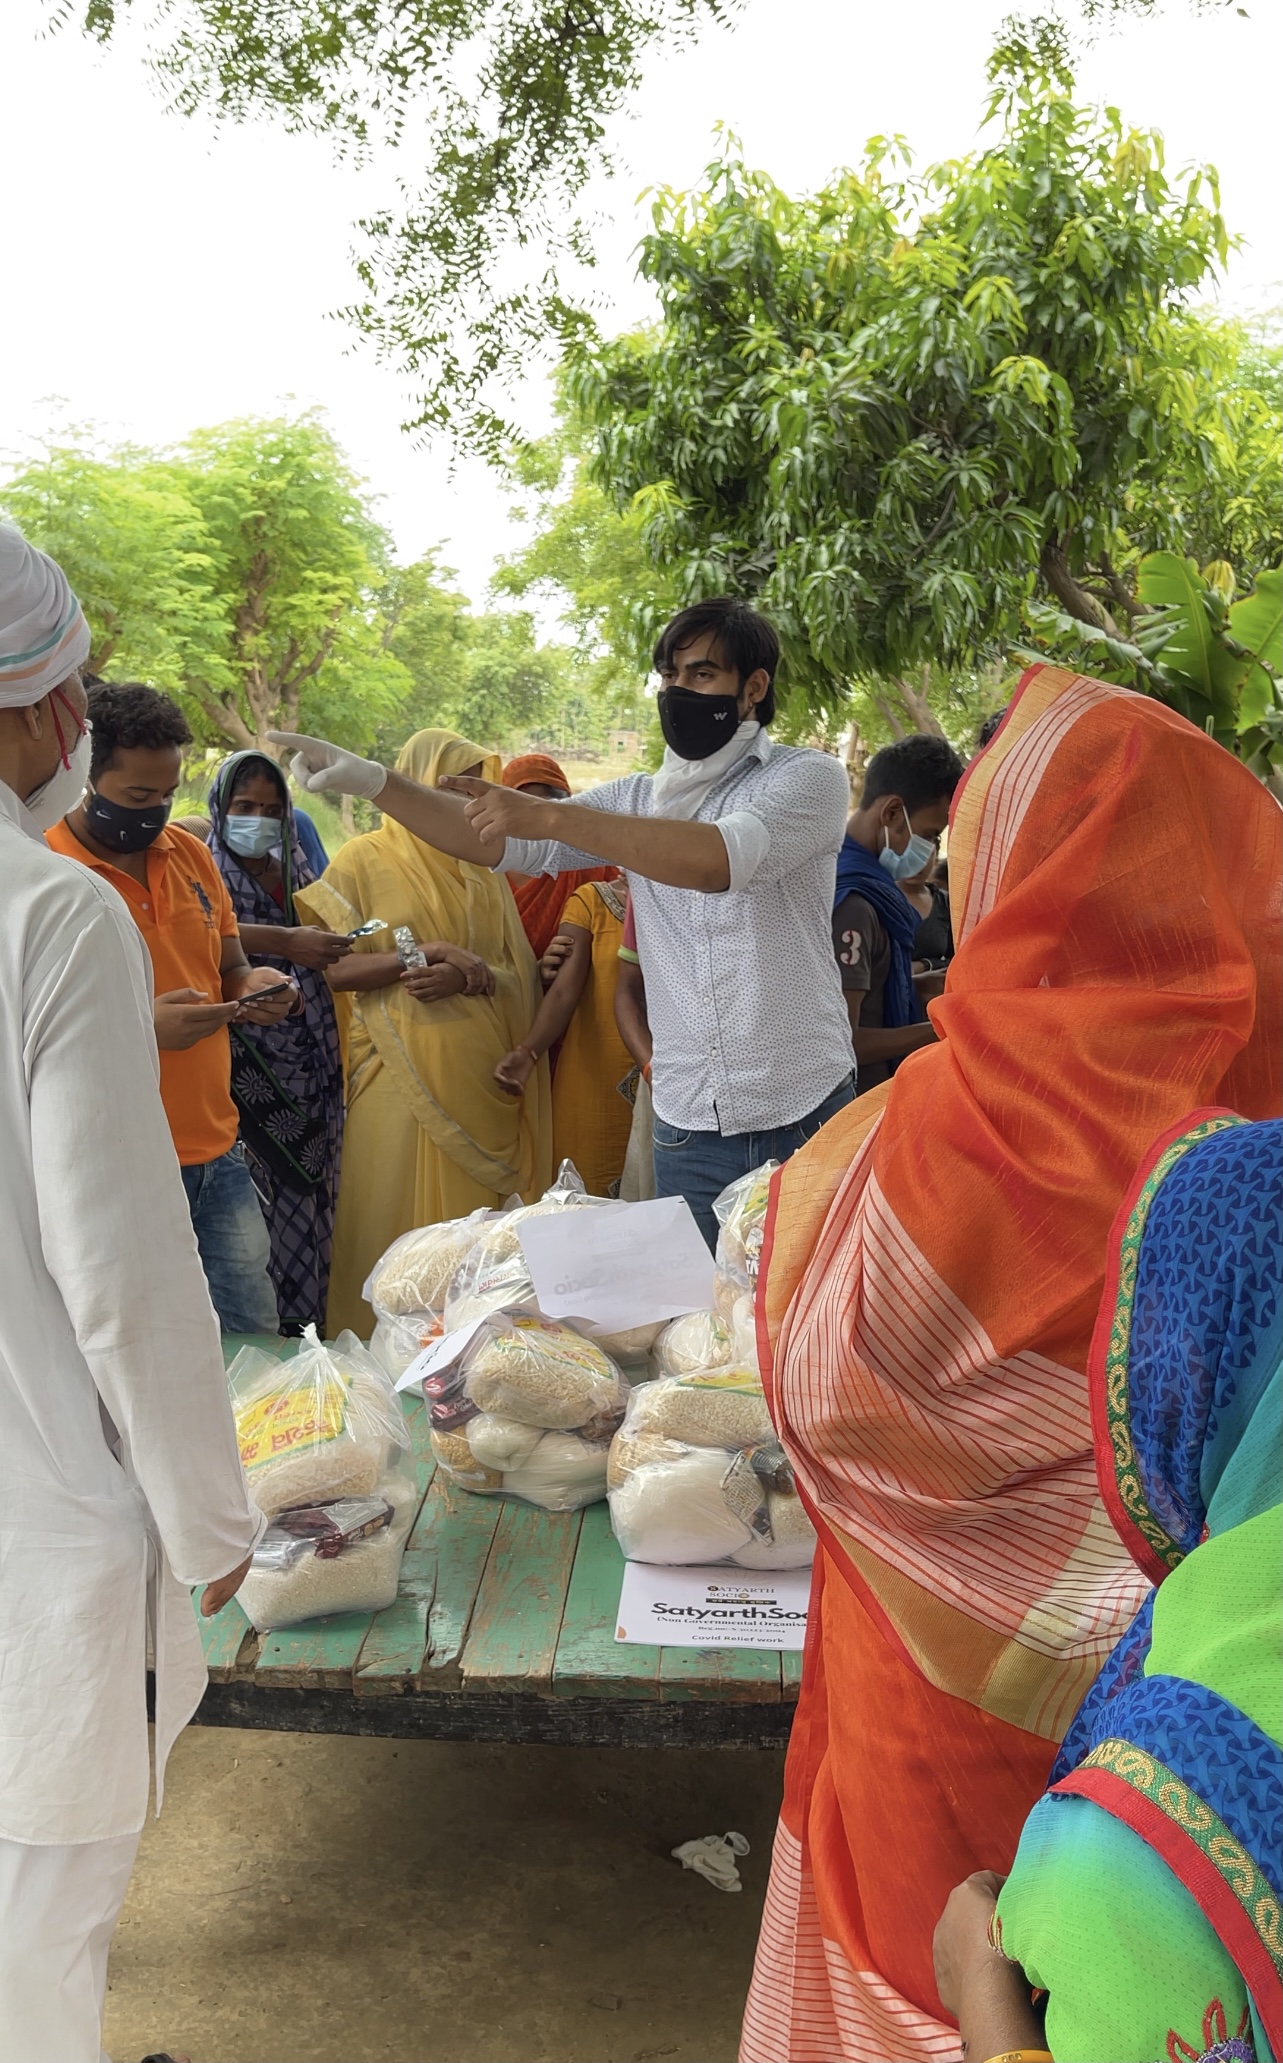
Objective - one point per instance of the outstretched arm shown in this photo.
(555, 1011)
(473, 820)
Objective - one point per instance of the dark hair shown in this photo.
(919, 770)
(745, 642)
(128, 715)
(252, 769)
(989, 728)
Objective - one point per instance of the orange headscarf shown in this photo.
(933, 1265)
(541, 898)
(534, 769)
(938, 1252)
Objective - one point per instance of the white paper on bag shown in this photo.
(439, 1354)
(620, 1265)
(721, 1607)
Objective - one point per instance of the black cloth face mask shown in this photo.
(121, 829)
(696, 726)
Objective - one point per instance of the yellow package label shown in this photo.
(563, 1345)
(740, 1381)
(306, 1417)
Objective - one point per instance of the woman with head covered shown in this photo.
(429, 1133)
(933, 1266)
(120, 1483)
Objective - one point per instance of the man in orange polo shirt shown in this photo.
(203, 981)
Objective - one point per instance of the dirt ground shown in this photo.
(318, 1899)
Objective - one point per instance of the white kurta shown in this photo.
(107, 1340)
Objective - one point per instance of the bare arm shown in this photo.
(554, 1013)
(883, 1042)
(988, 1996)
(362, 971)
(683, 855)
(630, 1012)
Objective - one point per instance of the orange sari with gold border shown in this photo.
(933, 1267)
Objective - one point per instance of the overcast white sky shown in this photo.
(162, 274)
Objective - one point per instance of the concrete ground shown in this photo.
(318, 1899)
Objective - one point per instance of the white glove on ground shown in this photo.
(713, 1858)
(320, 767)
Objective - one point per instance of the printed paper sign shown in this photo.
(620, 1265)
(712, 1607)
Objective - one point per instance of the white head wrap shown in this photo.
(43, 633)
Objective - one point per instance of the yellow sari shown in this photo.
(429, 1132)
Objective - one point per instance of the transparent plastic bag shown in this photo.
(492, 1275)
(396, 1342)
(721, 1407)
(559, 1471)
(740, 1211)
(416, 1271)
(542, 1374)
(700, 1340)
(326, 1425)
(303, 1569)
(696, 1475)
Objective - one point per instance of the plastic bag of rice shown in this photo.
(416, 1271)
(396, 1342)
(493, 1275)
(719, 1407)
(343, 1555)
(542, 1374)
(323, 1426)
(697, 1498)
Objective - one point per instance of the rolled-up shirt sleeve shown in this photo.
(796, 817)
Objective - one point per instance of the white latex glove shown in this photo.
(319, 767)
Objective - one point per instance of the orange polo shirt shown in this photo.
(184, 914)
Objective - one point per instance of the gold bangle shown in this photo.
(1022, 2056)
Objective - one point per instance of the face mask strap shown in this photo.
(65, 751)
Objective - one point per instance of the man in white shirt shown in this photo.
(120, 1483)
(730, 852)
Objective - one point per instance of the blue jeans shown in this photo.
(699, 1165)
(231, 1233)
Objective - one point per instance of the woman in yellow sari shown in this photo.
(429, 1133)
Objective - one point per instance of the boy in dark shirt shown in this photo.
(903, 809)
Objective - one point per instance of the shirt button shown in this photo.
(147, 906)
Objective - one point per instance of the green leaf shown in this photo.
(1256, 622)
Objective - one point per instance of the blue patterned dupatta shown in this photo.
(1187, 1400)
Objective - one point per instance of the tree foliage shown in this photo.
(501, 107)
(1191, 643)
(244, 573)
(890, 411)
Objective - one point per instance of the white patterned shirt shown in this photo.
(742, 990)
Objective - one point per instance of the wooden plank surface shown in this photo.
(747, 1675)
(455, 1531)
(228, 1640)
(516, 1622)
(590, 1662)
(393, 1651)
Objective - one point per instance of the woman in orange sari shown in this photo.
(933, 1265)
(541, 898)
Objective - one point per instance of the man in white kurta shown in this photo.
(120, 1484)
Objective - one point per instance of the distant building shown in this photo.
(623, 744)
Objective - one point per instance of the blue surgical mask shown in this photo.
(902, 866)
(253, 837)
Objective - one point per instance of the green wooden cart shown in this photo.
(503, 1630)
